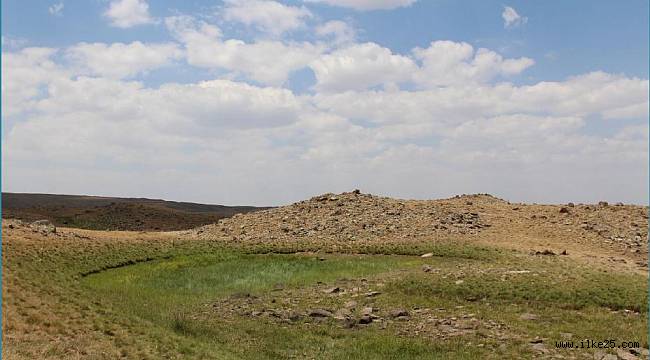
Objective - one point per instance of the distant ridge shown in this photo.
(114, 213)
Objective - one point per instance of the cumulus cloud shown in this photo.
(267, 62)
(364, 5)
(511, 18)
(594, 94)
(340, 31)
(360, 66)
(443, 63)
(266, 15)
(25, 76)
(56, 9)
(384, 122)
(128, 13)
(452, 63)
(120, 60)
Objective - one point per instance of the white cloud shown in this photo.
(267, 62)
(450, 63)
(594, 94)
(120, 60)
(511, 18)
(56, 9)
(443, 63)
(13, 43)
(361, 66)
(25, 74)
(340, 31)
(128, 13)
(269, 16)
(80, 134)
(364, 5)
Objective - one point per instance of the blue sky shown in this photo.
(565, 37)
(411, 90)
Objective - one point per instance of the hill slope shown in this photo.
(349, 219)
(110, 213)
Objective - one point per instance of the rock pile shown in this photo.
(620, 225)
(348, 217)
(45, 227)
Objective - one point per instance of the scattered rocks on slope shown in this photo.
(349, 217)
(338, 219)
(43, 226)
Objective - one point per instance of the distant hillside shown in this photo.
(110, 213)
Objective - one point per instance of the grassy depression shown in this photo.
(159, 290)
(202, 303)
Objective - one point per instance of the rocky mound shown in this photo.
(353, 216)
(622, 225)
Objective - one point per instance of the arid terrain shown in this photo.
(338, 276)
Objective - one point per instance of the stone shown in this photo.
(541, 348)
(564, 210)
(365, 319)
(278, 287)
(625, 354)
(399, 313)
(545, 252)
(342, 314)
(367, 310)
(640, 352)
(44, 226)
(427, 255)
(322, 313)
(427, 268)
(42, 223)
(566, 336)
(602, 355)
(294, 316)
(599, 354)
(373, 293)
(350, 304)
(528, 316)
(333, 290)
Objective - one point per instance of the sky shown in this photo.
(261, 102)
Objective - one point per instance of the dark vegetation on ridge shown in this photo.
(112, 213)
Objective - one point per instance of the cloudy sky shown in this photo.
(268, 102)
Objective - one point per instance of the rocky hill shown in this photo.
(354, 217)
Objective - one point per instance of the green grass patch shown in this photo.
(544, 286)
(160, 289)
